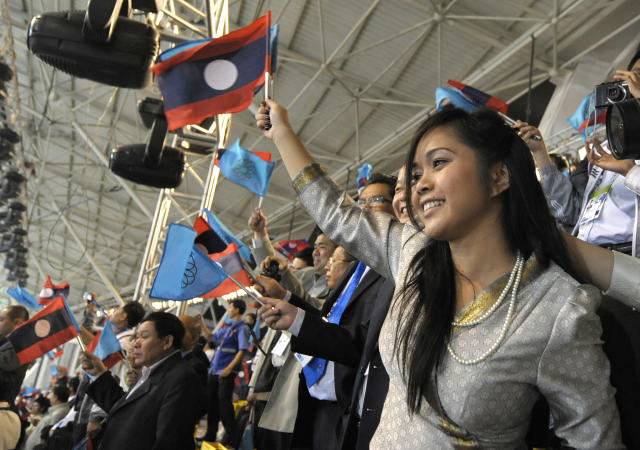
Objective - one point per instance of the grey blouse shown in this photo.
(552, 346)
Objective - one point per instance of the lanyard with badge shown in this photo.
(597, 198)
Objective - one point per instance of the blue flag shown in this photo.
(457, 99)
(246, 169)
(185, 272)
(364, 173)
(223, 232)
(22, 296)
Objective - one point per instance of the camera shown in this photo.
(272, 270)
(611, 93)
(87, 296)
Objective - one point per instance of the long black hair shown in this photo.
(428, 295)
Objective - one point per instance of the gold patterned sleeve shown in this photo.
(573, 376)
(372, 237)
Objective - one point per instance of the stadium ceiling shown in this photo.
(357, 77)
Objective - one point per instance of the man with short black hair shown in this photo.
(160, 411)
(11, 373)
(232, 342)
(125, 319)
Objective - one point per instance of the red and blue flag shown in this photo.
(225, 234)
(105, 345)
(480, 98)
(52, 291)
(51, 327)
(290, 247)
(214, 77)
(226, 255)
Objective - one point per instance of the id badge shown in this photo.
(594, 207)
(281, 345)
(303, 359)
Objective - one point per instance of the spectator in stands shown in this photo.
(191, 352)
(11, 373)
(125, 319)
(161, 410)
(302, 259)
(9, 425)
(232, 342)
(307, 283)
(606, 214)
(59, 408)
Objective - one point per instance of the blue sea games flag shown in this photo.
(22, 296)
(223, 232)
(185, 272)
(105, 345)
(246, 169)
(364, 173)
(215, 77)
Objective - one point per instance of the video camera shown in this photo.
(623, 118)
(272, 270)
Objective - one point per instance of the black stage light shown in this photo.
(623, 129)
(123, 58)
(9, 135)
(152, 164)
(5, 72)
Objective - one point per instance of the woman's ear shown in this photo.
(500, 179)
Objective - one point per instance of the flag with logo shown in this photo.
(52, 291)
(185, 271)
(51, 327)
(586, 118)
(214, 77)
(105, 345)
(223, 232)
(364, 173)
(23, 297)
(226, 255)
(246, 169)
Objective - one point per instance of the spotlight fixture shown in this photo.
(100, 44)
(152, 164)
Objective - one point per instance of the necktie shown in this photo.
(315, 369)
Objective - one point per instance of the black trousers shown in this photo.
(220, 407)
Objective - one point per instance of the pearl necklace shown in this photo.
(512, 285)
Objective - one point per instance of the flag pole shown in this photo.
(260, 201)
(237, 283)
(267, 65)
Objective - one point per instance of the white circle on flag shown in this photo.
(220, 74)
(42, 328)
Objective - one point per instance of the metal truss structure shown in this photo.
(357, 77)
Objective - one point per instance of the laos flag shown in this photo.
(214, 77)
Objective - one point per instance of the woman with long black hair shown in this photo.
(486, 316)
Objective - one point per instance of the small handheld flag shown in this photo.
(22, 296)
(223, 232)
(105, 345)
(45, 331)
(364, 173)
(290, 247)
(480, 98)
(246, 169)
(214, 77)
(185, 271)
(52, 291)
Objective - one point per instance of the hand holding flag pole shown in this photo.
(237, 283)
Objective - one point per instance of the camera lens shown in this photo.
(616, 93)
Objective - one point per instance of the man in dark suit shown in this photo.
(160, 411)
(191, 351)
(348, 344)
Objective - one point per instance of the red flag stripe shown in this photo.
(41, 347)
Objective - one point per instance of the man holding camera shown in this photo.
(606, 214)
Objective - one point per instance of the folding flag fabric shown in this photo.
(246, 169)
(105, 345)
(586, 118)
(22, 296)
(53, 354)
(225, 255)
(216, 77)
(290, 247)
(185, 272)
(455, 97)
(480, 98)
(52, 291)
(46, 330)
(262, 155)
(364, 173)
(226, 235)
(232, 265)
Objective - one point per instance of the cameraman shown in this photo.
(606, 215)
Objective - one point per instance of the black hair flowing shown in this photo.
(428, 295)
